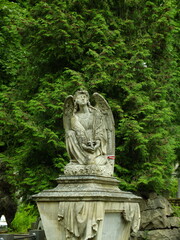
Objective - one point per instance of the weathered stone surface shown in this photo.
(155, 213)
(156, 202)
(153, 219)
(105, 170)
(157, 220)
(77, 208)
(90, 135)
(163, 234)
(51, 212)
(174, 222)
(86, 188)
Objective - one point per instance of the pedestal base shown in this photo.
(88, 207)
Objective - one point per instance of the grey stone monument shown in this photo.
(87, 203)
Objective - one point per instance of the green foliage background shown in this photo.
(127, 50)
(25, 216)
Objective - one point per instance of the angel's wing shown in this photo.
(105, 109)
(68, 112)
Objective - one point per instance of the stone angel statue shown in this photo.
(90, 137)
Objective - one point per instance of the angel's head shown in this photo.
(81, 97)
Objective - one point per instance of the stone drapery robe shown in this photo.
(80, 219)
(83, 131)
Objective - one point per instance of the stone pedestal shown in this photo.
(88, 207)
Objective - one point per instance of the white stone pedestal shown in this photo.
(88, 207)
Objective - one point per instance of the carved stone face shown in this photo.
(82, 99)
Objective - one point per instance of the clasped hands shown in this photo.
(91, 146)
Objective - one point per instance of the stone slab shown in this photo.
(115, 225)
